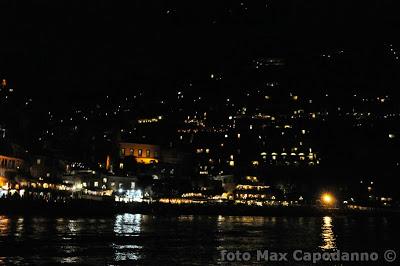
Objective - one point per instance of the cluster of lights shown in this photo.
(150, 120)
(393, 52)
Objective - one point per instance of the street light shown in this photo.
(327, 199)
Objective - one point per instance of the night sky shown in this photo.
(101, 46)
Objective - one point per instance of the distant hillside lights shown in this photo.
(293, 157)
(150, 120)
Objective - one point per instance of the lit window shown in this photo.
(147, 153)
(104, 180)
(140, 152)
(131, 152)
(122, 152)
(121, 166)
(96, 184)
(133, 185)
(38, 161)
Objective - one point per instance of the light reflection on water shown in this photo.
(327, 234)
(73, 227)
(187, 239)
(127, 225)
(19, 228)
(70, 260)
(4, 225)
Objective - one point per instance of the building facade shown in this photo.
(8, 167)
(143, 153)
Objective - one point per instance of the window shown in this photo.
(38, 161)
(96, 184)
(121, 166)
(140, 153)
(122, 152)
(131, 152)
(133, 185)
(147, 153)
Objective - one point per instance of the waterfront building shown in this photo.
(8, 168)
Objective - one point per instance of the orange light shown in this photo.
(108, 162)
(327, 198)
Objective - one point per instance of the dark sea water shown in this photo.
(135, 239)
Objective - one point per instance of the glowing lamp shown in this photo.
(327, 198)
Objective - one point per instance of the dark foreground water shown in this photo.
(132, 239)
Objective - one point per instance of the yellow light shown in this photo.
(327, 198)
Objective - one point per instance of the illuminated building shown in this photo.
(252, 193)
(8, 166)
(46, 167)
(143, 153)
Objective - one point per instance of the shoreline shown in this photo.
(98, 208)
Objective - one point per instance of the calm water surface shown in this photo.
(131, 239)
